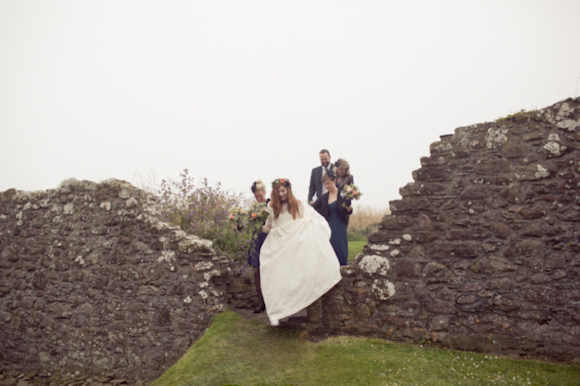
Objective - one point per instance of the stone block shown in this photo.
(349, 270)
(374, 264)
(39, 281)
(382, 289)
(500, 283)
(568, 315)
(540, 295)
(492, 265)
(532, 213)
(435, 272)
(511, 150)
(190, 245)
(466, 299)
(537, 135)
(570, 215)
(86, 309)
(458, 234)
(461, 249)
(62, 264)
(441, 307)
(472, 193)
(471, 286)
(409, 204)
(423, 189)
(439, 323)
(407, 268)
(237, 287)
(418, 253)
(396, 222)
(431, 174)
(379, 237)
(500, 229)
(492, 167)
(426, 237)
(533, 229)
(434, 160)
(440, 147)
(505, 304)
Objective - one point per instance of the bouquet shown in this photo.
(350, 192)
(257, 213)
(252, 217)
(237, 214)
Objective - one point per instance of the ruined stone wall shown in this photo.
(481, 253)
(483, 250)
(92, 281)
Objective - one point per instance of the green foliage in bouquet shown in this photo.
(257, 214)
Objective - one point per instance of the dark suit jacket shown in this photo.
(346, 180)
(316, 182)
(321, 206)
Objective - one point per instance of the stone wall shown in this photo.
(92, 281)
(483, 250)
(481, 253)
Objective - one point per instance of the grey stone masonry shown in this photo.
(92, 282)
(482, 252)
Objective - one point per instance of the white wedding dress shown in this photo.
(297, 262)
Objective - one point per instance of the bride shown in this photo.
(297, 262)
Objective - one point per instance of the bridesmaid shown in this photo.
(259, 190)
(343, 176)
(329, 205)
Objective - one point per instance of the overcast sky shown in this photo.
(242, 90)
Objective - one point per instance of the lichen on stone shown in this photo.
(383, 289)
(542, 172)
(372, 264)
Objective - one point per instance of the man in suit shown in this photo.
(316, 185)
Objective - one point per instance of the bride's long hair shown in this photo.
(276, 204)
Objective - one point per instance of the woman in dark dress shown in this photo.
(259, 190)
(343, 176)
(329, 205)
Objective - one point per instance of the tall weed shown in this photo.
(364, 221)
(204, 211)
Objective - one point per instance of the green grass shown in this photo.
(235, 350)
(530, 113)
(354, 248)
(356, 242)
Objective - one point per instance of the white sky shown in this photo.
(243, 90)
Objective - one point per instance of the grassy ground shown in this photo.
(364, 221)
(236, 350)
(354, 248)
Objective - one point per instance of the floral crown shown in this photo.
(281, 181)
